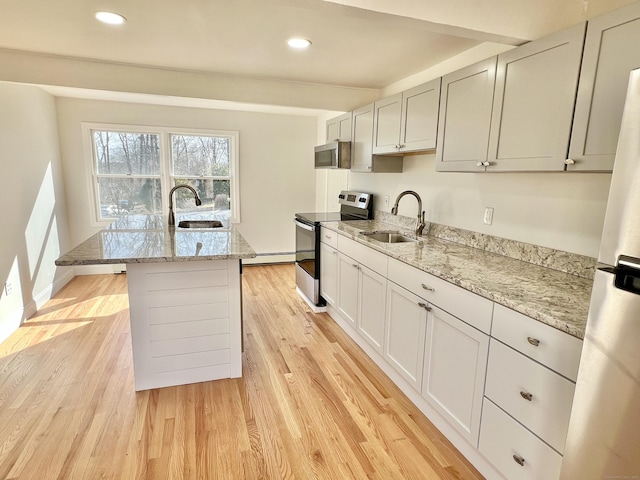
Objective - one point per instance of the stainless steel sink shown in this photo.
(200, 224)
(390, 237)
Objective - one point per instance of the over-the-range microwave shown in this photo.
(333, 155)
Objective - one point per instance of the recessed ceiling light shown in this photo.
(110, 18)
(300, 43)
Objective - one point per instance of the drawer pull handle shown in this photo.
(425, 306)
(519, 460)
(427, 287)
(328, 236)
(526, 395)
(533, 341)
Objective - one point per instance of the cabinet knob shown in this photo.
(427, 287)
(526, 395)
(569, 161)
(479, 164)
(425, 306)
(533, 341)
(486, 164)
(333, 252)
(518, 459)
(354, 265)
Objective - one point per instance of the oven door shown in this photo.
(308, 260)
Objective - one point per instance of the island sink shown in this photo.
(200, 224)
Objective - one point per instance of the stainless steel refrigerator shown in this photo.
(604, 430)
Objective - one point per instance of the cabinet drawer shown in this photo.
(376, 261)
(557, 350)
(504, 442)
(471, 308)
(537, 397)
(329, 237)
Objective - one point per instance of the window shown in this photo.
(134, 168)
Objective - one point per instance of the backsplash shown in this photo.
(571, 263)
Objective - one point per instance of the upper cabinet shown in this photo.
(362, 159)
(609, 57)
(339, 128)
(408, 121)
(466, 99)
(533, 104)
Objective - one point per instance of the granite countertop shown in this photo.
(148, 239)
(558, 299)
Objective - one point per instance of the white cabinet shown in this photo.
(362, 290)
(455, 365)
(408, 121)
(328, 273)
(535, 396)
(370, 321)
(514, 450)
(339, 128)
(406, 325)
(348, 288)
(528, 396)
(362, 158)
(610, 54)
(466, 100)
(534, 101)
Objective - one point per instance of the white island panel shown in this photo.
(185, 322)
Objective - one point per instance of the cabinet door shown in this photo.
(419, 121)
(328, 273)
(332, 130)
(405, 337)
(348, 288)
(362, 137)
(466, 100)
(455, 364)
(533, 105)
(609, 57)
(371, 311)
(344, 127)
(386, 124)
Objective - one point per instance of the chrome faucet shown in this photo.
(420, 226)
(172, 218)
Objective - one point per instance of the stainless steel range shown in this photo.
(353, 206)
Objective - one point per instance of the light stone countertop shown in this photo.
(555, 298)
(147, 239)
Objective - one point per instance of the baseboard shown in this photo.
(270, 258)
(14, 320)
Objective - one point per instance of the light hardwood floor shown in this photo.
(310, 405)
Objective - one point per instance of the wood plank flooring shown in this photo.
(310, 405)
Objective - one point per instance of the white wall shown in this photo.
(276, 163)
(563, 210)
(33, 219)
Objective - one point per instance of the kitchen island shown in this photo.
(185, 296)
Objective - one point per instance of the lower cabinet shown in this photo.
(348, 288)
(328, 273)
(406, 327)
(455, 364)
(514, 450)
(371, 307)
(446, 343)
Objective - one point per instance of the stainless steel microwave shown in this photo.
(333, 155)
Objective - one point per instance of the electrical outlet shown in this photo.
(8, 288)
(488, 216)
(386, 200)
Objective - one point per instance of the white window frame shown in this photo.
(166, 173)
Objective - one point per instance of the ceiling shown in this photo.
(366, 44)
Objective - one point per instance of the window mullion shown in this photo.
(167, 174)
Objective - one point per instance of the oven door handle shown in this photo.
(304, 226)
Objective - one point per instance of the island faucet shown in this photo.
(420, 226)
(172, 218)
